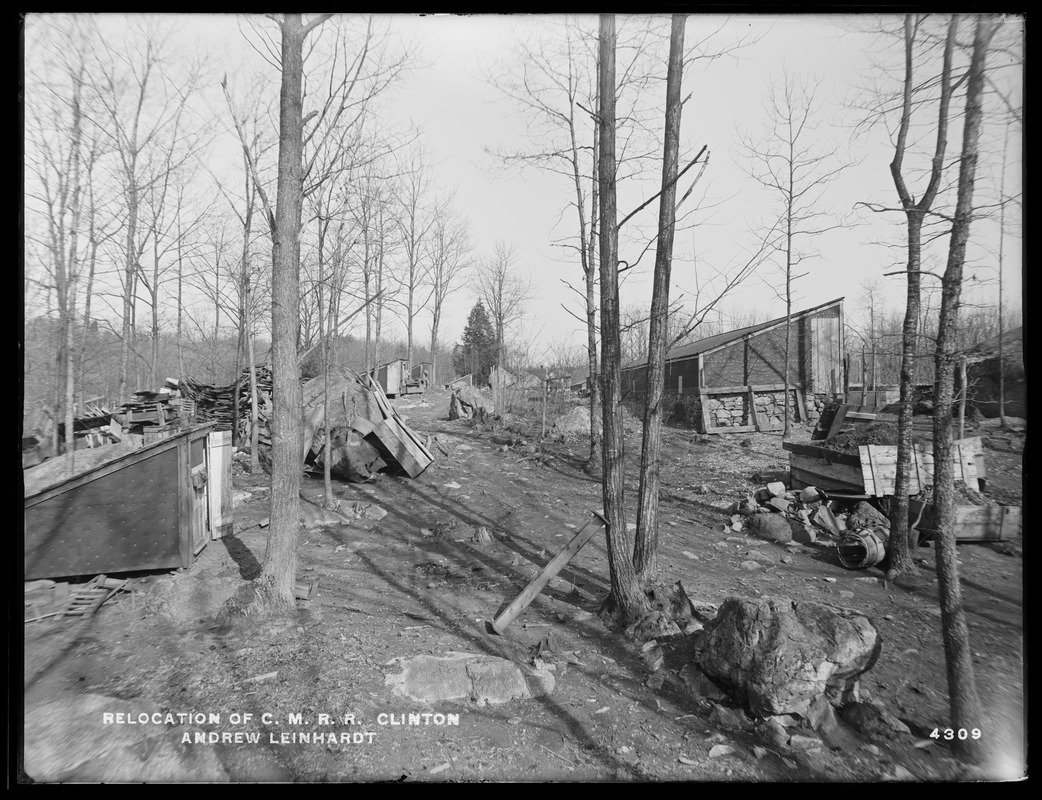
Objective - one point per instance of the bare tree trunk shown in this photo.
(963, 699)
(645, 553)
(154, 360)
(180, 302)
(129, 271)
(625, 600)
(897, 560)
(273, 589)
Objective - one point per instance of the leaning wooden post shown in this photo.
(559, 562)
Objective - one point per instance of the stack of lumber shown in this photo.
(212, 403)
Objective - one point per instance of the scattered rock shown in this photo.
(779, 655)
(365, 511)
(751, 566)
(731, 718)
(747, 442)
(773, 733)
(776, 488)
(774, 527)
(821, 716)
(799, 741)
(482, 537)
(873, 720)
(486, 680)
(720, 750)
(700, 685)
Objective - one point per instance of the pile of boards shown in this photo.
(365, 432)
(155, 408)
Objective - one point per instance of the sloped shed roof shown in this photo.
(721, 339)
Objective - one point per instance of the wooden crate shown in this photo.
(873, 471)
(992, 523)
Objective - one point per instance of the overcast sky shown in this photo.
(449, 97)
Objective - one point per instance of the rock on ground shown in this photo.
(467, 402)
(773, 527)
(66, 740)
(486, 680)
(779, 654)
(575, 423)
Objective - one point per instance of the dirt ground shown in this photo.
(419, 582)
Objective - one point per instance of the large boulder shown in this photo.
(575, 423)
(778, 655)
(467, 403)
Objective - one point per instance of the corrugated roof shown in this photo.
(720, 339)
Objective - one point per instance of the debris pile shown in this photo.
(366, 433)
(779, 514)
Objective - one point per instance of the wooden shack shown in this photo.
(735, 382)
(153, 508)
(395, 378)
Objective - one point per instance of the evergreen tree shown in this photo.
(476, 353)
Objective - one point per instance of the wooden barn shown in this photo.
(735, 381)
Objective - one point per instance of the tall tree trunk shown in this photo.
(153, 366)
(273, 589)
(964, 702)
(129, 272)
(625, 600)
(897, 560)
(645, 553)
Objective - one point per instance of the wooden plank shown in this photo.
(879, 466)
(559, 562)
(400, 448)
(184, 502)
(219, 488)
(822, 454)
(842, 474)
(837, 421)
(705, 414)
(805, 471)
(986, 523)
(752, 410)
(733, 429)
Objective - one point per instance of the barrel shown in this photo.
(864, 548)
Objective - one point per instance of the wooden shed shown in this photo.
(735, 382)
(153, 508)
(395, 378)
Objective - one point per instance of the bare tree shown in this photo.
(787, 161)
(448, 253)
(141, 101)
(645, 554)
(414, 223)
(915, 212)
(962, 691)
(625, 600)
(505, 293)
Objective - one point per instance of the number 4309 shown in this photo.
(962, 734)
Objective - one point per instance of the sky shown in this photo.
(449, 97)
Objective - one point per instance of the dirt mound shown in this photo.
(849, 440)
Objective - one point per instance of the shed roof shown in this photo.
(722, 339)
